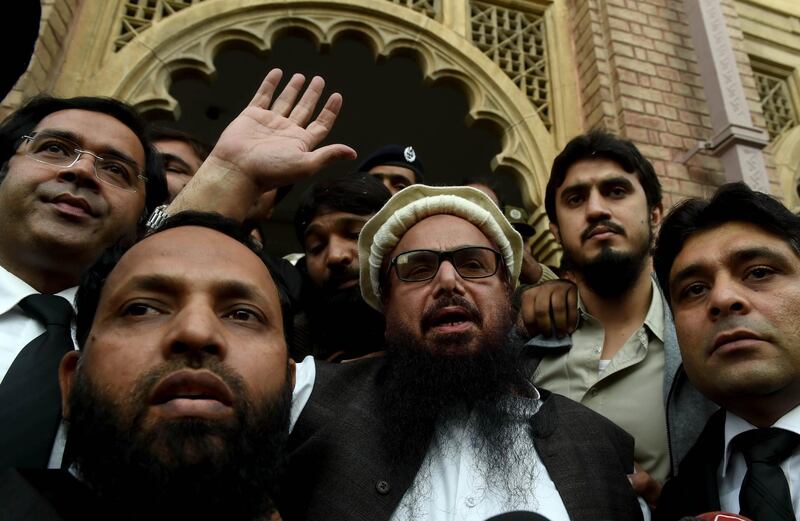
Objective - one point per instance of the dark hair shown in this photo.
(359, 194)
(200, 148)
(92, 282)
(599, 144)
(733, 202)
(485, 180)
(24, 120)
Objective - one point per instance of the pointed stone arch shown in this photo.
(141, 72)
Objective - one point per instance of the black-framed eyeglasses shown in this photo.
(55, 150)
(470, 262)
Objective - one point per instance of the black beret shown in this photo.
(395, 155)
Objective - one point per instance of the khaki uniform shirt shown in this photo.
(629, 391)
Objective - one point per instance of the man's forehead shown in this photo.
(193, 254)
(97, 130)
(180, 149)
(726, 241)
(594, 171)
(728, 247)
(442, 232)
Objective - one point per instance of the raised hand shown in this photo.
(270, 144)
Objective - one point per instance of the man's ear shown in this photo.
(554, 231)
(656, 215)
(67, 370)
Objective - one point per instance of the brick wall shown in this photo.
(48, 54)
(639, 78)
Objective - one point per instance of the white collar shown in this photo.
(735, 425)
(13, 289)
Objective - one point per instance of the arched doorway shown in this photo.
(142, 71)
(384, 102)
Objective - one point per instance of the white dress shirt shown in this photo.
(17, 330)
(733, 466)
(452, 484)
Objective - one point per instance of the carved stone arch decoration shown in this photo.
(140, 73)
(786, 155)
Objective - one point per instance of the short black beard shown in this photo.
(343, 321)
(189, 469)
(610, 274)
(424, 387)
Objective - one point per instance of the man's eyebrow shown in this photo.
(236, 289)
(103, 152)
(617, 180)
(160, 283)
(750, 254)
(172, 158)
(737, 257)
(66, 134)
(342, 221)
(353, 219)
(155, 282)
(391, 177)
(574, 188)
(603, 183)
(688, 272)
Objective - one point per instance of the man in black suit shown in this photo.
(76, 176)
(731, 270)
(447, 424)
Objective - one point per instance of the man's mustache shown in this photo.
(147, 382)
(612, 226)
(471, 311)
(340, 275)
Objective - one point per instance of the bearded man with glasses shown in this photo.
(447, 425)
(77, 176)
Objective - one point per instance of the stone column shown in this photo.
(734, 139)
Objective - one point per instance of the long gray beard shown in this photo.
(504, 465)
(443, 406)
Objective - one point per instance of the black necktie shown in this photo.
(30, 398)
(764, 495)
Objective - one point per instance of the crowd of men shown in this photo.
(415, 363)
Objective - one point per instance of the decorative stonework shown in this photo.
(191, 41)
(777, 103)
(155, 46)
(139, 15)
(732, 98)
(515, 41)
(429, 8)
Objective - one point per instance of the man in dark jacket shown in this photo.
(447, 424)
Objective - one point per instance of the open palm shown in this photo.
(272, 142)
